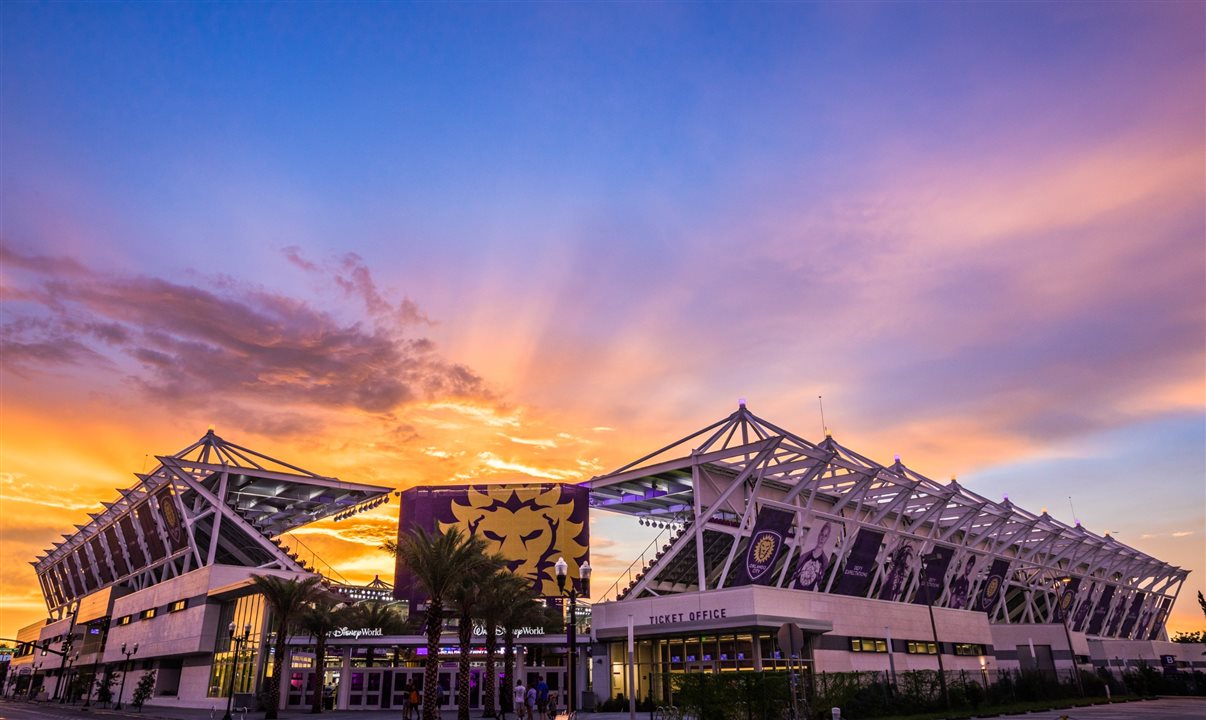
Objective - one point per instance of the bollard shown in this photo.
(837, 713)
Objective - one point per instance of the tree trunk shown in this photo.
(320, 671)
(273, 701)
(508, 687)
(465, 635)
(431, 669)
(491, 682)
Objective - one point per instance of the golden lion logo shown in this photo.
(530, 525)
(764, 549)
(994, 584)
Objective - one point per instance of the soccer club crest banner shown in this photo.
(930, 588)
(860, 563)
(1101, 610)
(994, 586)
(766, 543)
(1067, 599)
(1153, 631)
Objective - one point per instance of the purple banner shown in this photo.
(1132, 615)
(84, 569)
(961, 586)
(1120, 604)
(931, 584)
(138, 558)
(814, 562)
(172, 520)
(1067, 597)
(765, 545)
(1153, 632)
(900, 568)
(993, 587)
(1081, 616)
(860, 563)
(102, 562)
(114, 547)
(530, 524)
(1100, 610)
(150, 533)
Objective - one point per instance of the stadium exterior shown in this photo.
(761, 528)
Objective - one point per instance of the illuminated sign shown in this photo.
(356, 633)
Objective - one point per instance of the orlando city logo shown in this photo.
(171, 517)
(763, 548)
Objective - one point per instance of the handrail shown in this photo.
(316, 559)
(669, 528)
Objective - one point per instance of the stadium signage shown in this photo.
(500, 631)
(670, 618)
(356, 633)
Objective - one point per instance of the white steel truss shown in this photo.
(214, 502)
(714, 482)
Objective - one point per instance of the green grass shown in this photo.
(1007, 709)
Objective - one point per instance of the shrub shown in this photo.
(144, 690)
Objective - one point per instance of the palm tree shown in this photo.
(438, 561)
(378, 614)
(525, 610)
(466, 599)
(285, 597)
(501, 591)
(324, 613)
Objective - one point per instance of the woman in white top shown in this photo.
(520, 695)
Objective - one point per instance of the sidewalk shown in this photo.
(164, 712)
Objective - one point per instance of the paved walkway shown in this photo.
(1161, 709)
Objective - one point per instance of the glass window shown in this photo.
(125, 620)
(916, 647)
(878, 645)
(149, 613)
(178, 606)
(968, 649)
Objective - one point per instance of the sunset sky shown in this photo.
(424, 243)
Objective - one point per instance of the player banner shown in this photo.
(1153, 632)
(814, 562)
(171, 519)
(530, 524)
(933, 575)
(860, 563)
(1097, 620)
(994, 586)
(1132, 614)
(766, 543)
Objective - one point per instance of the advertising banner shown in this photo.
(171, 519)
(1098, 618)
(765, 545)
(814, 561)
(860, 563)
(1132, 615)
(933, 575)
(1067, 597)
(961, 587)
(900, 565)
(993, 587)
(530, 524)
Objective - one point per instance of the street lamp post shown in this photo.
(65, 683)
(237, 641)
(929, 603)
(66, 655)
(580, 587)
(125, 669)
(1061, 593)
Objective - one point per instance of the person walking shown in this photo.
(410, 700)
(530, 704)
(542, 698)
(519, 698)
